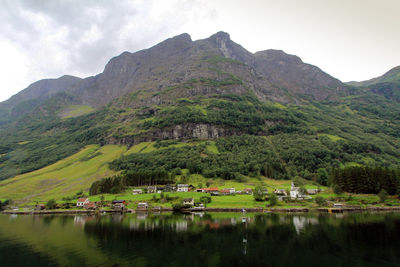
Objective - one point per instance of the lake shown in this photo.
(203, 239)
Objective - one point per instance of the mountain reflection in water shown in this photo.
(202, 239)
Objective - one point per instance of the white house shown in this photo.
(143, 205)
(151, 189)
(182, 188)
(295, 192)
(188, 202)
(231, 190)
(82, 201)
(137, 191)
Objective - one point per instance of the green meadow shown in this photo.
(63, 178)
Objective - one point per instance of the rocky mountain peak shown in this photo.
(278, 56)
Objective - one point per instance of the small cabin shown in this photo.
(82, 201)
(225, 192)
(90, 206)
(247, 191)
(337, 206)
(40, 207)
(188, 202)
(312, 191)
(119, 204)
(137, 191)
(143, 205)
(182, 188)
(280, 192)
(151, 189)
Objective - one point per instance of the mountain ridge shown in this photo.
(130, 72)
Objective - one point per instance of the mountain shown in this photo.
(34, 95)
(208, 106)
(387, 85)
(271, 75)
(392, 76)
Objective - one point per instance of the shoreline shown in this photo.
(234, 210)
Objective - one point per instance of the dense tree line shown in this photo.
(238, 156)
(366, 180)
(117, 184)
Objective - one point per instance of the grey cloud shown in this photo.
(111, 18)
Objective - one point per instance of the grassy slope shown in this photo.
(64, 178)
(75, 111)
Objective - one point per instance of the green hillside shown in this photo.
(63, 178)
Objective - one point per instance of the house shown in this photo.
(82, 201)
(227, 191)
(230, 190)
(312, 191)
(337, 205)
(142, 206)
(248, 191)
(169, 188)
(295, 192)
(90, 206)
(137, 191)
(160, 189)
(182, 188)
(151, 189)
(211, 190)
(280, 192)
(119, 204)
(40, 207)
(188, 202)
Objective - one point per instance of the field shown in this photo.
(64, 178)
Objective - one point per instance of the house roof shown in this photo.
(225, 191)
(211, 189)
(188, 199)
(83, 199)
(118, 201)
(90, 204)
(183, 185)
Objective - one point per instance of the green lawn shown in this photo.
(63, 178)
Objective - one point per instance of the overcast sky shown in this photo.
(349, 39)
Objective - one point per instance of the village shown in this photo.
(295, 193)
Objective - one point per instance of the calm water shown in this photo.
(216, 239)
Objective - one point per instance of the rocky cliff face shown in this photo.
(177, 132)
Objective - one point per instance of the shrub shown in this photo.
(382, 195)
(177, 205)
(205, 200)
(320, 201)
(337, 189)
(258, 193)
(51, 204)
(273, 199)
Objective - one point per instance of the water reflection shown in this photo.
(203, 239)
(301, 222)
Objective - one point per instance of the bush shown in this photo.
(273, 199)
(205, 200)
(320, 201)
(258, 193)
(383, 195)
(51, 204)
(177, 205)
(337, 189)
